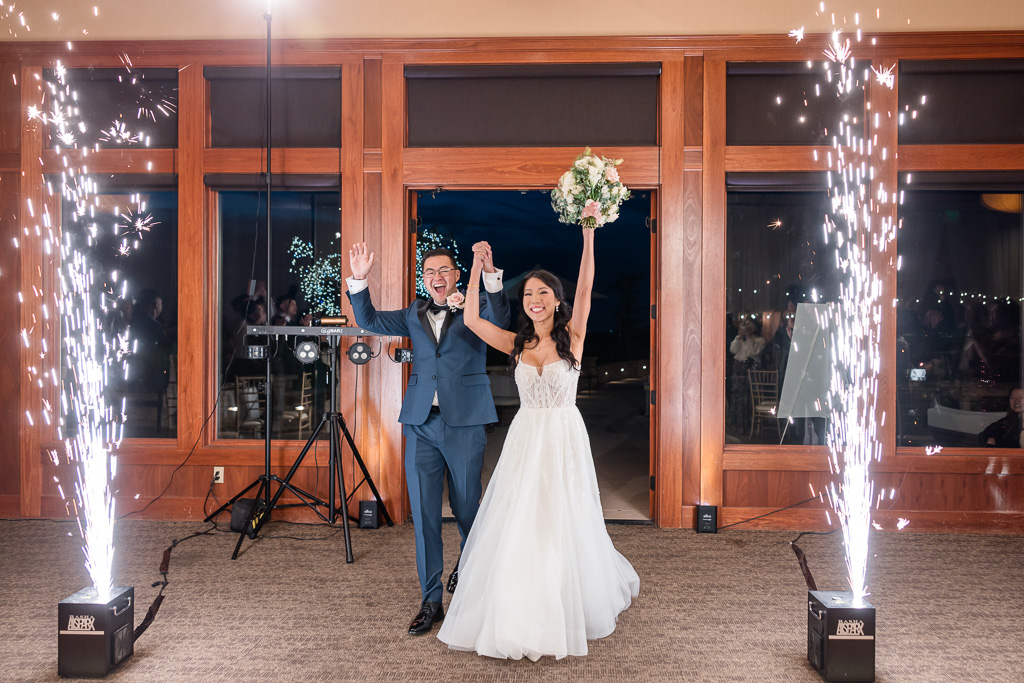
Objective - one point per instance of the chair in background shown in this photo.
(228, 419)
(251, 403)
(764, 399)
(301, 416)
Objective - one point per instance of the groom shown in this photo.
(447, 403)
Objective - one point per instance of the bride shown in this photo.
(539, 574)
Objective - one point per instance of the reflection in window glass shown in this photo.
(959, 318)
(306, 285)
(136, 242)
(777, 272)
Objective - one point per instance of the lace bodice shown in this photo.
(553, 386)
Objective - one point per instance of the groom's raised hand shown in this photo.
(360, 260)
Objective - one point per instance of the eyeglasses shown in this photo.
(440, 271)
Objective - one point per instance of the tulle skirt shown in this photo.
(539, 574)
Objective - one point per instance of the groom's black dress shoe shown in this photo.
(430, 614)
(453, 580)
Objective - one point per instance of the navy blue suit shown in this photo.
(450, 444)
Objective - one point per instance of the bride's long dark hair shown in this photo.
(525, 334)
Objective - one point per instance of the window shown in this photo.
(133, 255)
(537, 105)
(304, 284)
(117, 108)
(959, 316)
(962, 102)
(778, 270)
(305, 107)
(785, 103)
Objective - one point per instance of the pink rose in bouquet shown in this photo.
(611, 174)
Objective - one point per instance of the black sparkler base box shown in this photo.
(840, 636)
(95, 634)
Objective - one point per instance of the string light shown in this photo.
(319, 278)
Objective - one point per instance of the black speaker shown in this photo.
(368, 515)
(707, 519)
(240, 512)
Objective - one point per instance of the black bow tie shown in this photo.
(435, 307)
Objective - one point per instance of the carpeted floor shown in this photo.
(725, 607)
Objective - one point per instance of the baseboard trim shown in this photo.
(959, 522)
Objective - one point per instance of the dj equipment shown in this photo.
(261, 508)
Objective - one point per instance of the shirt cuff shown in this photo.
(355, 286)
(492, 281)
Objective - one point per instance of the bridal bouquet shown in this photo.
(590, 192)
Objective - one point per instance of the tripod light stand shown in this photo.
(261, 504)
(264, 503)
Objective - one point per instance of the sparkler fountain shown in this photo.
(859, 229)
(90, 352)
(88, 426)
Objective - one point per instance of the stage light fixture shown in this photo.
(359, 353)
(307, 351)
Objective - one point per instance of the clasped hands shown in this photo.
(482, 255)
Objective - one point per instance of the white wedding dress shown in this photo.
(539, 574)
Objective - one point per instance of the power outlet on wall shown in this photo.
(218, 475)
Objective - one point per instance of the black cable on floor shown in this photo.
(802, 558)
(770, 513)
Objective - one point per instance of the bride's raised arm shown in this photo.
(584, 288)
(486, 330)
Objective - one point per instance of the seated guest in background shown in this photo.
(746, 349)
(748, 344)
(1006, 433)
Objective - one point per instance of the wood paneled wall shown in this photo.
(10, 272)
(967, 490)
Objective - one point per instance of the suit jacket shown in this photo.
(455, 367)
